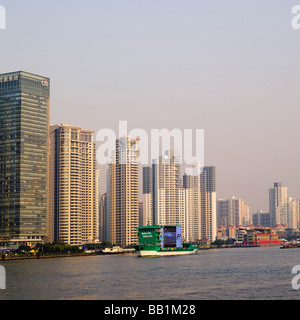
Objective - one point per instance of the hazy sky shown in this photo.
(229, 67)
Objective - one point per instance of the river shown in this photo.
(217, 274)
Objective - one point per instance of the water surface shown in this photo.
(236, 273)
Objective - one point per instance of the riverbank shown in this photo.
(47, 256)
(36, 257)
(110, 253)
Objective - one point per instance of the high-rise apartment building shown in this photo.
(192, 192)
(102, 218)
(147, 218)
(261, 218)
(123, 192)
(141, 214)
(278, 198)
(168, 193)
(223, 212)
(208, 203)
(74, 185)
(233, 211)
(24, 115)
(293, 213)
(192, 205)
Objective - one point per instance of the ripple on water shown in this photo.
(243, 273)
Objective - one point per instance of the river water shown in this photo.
(218, 274)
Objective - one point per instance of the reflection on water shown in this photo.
(240, 273)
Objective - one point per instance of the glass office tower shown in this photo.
(24, 112)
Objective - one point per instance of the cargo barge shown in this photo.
(163, 240)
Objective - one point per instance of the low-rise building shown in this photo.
(260, 237)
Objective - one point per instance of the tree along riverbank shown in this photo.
(42, 251)
(37, 256)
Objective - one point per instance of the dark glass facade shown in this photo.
(24, 111)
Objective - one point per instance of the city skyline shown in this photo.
(156, 128)
(288, 207)
(210, 63)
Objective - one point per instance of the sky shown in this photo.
(228, 67)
